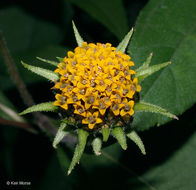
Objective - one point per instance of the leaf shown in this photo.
(176, 172)
(146, 64)
(29, 32)
(120, 136)
(61, 133)
(30, 36)
(142, 106)
(7, 109)
(82, 138)
(51, 168)
(48, 74)
(137, 140)
(97, 144)
(168, 30)
(47, 51)
(9, 113)
(63, 158)
(47, 106)
(90, 161)
(143, 73)
(110, 13)
(124, 43)
(48, 61)
(79, 39)
(60, 59)
(67, 121)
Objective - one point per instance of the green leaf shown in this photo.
(137, 140)
(142, 106)
(124, 43)
(110, 13)
(82, 138)
(7, 109)
(120, 136)
(90, 161)
(79, 39)
(146, 64)
(97, 144)
(53, 168)
(106, 133)
(29, 39)
(176, 172)
(47, 51)
(60, 59)
(29, 32)
(168, 30)
(145, 72)
(7, 113)
(67, 121)
(47, 106)
(63, 158)
(48, 74)
(48, 61)
(61, 133)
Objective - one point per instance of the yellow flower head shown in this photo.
(96, 84)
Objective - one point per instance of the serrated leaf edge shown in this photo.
(124, 43)
(46, 106)
(60, 135)
(142, 106)
(48, 74)
(79, 39)
(137, 140)
(119, 134)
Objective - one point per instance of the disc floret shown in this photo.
(96, 80)
(96, 88)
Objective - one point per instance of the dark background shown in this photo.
(28, 157)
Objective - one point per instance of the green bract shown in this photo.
(120, 131)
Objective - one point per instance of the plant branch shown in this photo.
(41, 120)
(18, 124)
(14, 72)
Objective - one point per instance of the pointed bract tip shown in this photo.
(124, 147)
(69, 171)
(175, 117)
(54, 146)
(39, 58)
(170, 62)
(98, 153)
(151, 54)
(78, 38)
(73, 24)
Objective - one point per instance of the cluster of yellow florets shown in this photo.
(96, 82)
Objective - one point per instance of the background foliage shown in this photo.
(166, 28)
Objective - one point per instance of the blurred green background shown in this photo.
(166, 28)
